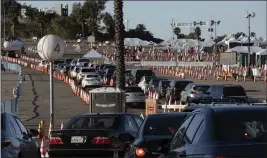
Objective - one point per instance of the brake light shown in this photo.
(140, 152)
(55, 140)
(245, 133)
(101, 140)
(5, 142)
(193, 92)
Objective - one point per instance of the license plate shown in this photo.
(77, 139)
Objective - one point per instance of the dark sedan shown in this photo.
(156, 129)
(16, 141)
(89, 135)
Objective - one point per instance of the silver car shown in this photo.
(135, 97)
(193, 91)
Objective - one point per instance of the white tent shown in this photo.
(240, 38)
(93, 54)
(262, 52)
(244, 49)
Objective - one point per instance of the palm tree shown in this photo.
(177, 31)
(198, 33)
(13, 14)
(108, 20)
(119, 40)
(77, 12)
(41, 20)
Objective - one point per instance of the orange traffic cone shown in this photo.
(62, 125)
(39, 131)
(43, 148)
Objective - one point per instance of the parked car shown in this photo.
(175, 89)
(154, 83)
(81, 61)
(221, 131)
(156, 129)
(135, 97)
(73, 62)
(224, 91)
(91, 80)
(162, 87)
(68, 61)
(74, 72)
(193, 91)
(70, 70)
(91, 135)
(144, 81)
(84, 71)
(137, 74)
(16, 140)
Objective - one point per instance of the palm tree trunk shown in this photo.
(13, 29)
(119, 40)
(82, 29)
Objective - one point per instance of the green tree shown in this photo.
(177, 31)
(78, 14)
(198, 33)
(119, 41)
(92, 10)
(253, 34)
(108, 20)
(12, 10)
(140, 28)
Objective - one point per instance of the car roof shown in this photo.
(169, 114)
(105, 114)
(201, 84)
(228, 85)
(179, 80)
(231, 109)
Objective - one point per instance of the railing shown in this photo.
(11, 106)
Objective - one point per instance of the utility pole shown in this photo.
(127, 25)
(198, 24)
(248, 16)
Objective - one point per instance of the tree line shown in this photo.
(88, 18)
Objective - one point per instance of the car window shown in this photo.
(126, 126)
(133, 89)
(177, 138)
(21, 126)
(192, 129)
(199, 132)
(201, 88)
(181, 85)
(234, 91)
(138, 121)
(188, 87)
(15, 125)
(131, 123)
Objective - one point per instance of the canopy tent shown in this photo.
(136, 42)
(94, 56)
(262, 52)
(244, 49)
(240, 37)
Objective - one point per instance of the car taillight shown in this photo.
(193, 92)
(101, 140)
(5, 142)
(55, 140)
(140, 152)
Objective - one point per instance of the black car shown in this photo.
(90, 135)
(162, 87)
(16, 140)
(175, 88)
(154, 83)
(228, 131)
(156, 129)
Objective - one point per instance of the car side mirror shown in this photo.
(34, 133)
(126, 137)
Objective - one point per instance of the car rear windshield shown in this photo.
(165, 83)
(91, 76)
(181, 85)
(88, 70)
(144, 73)
(201, 88)
(84, 60)
(148, 78)
(234, 91)
(163, 125)
(242, 128)
(94, 122)
(133, 89)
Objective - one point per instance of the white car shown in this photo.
(74, 72)
(83, 71)
(91, 80)
(81, 61)
(135, 97)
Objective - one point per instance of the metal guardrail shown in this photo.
(11, 106)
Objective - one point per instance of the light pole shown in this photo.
(215, 23)
(198, 36)
(127, 25)
(248, 16)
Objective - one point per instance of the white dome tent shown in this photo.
(262, 52)
(244, 49)
(94, 55)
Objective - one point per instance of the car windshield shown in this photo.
(251, 126)
(181, 85)
(84, 60)
(148, 78)
(88, 70)
(91, 76)
(162, 125)
(133, 89)
(234, 91)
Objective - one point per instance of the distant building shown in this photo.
(60, 10)
(47, 10)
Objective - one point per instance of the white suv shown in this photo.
(83, 71)
(92, 79)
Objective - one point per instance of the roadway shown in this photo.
(9, 79)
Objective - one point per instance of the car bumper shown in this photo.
(83, 152)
